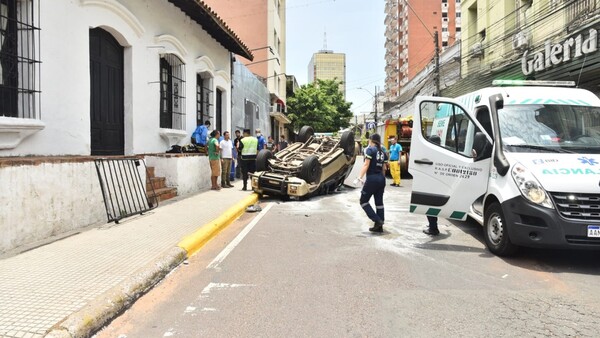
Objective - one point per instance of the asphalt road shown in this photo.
(312, 269)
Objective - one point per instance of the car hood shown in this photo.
(577, 173)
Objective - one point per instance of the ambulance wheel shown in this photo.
(305, 133)
(495, 232)
(347, 143)
(311, 170)
(262, 159)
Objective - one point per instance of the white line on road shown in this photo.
(228, 249)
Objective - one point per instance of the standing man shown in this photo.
(271, 145)
(226, 146)
(248, 151)
(282, 143)
(262, 143)
(395, 155)
(236, 144)
(214, 159)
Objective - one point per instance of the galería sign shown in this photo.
(556, 54)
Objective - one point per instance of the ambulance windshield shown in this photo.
(550, 128)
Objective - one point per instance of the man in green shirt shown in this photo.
(214, 159)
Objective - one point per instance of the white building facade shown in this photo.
(102, 78)
(115, 77)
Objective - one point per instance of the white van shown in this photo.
(523, 161)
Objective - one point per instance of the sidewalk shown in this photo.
(82, 281)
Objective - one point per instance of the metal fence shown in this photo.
(123, 189)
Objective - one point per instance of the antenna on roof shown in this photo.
(325, 39)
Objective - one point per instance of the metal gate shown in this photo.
(123, 190)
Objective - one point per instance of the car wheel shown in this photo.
(305, 133)
(347, 143)
(262, 160)
(311, 170)
(495, 232)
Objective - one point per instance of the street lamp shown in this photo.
(375, 101)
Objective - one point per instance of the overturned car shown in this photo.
(311, 166)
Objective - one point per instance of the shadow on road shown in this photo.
(546, 260)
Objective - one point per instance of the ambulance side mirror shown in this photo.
(481, 147)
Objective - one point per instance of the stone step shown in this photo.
(157, 182)
(150, 172)
(163, 194)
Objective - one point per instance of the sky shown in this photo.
(354, 27)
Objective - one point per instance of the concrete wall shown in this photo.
(147, 29)
(189, 174)
(248, 87)
(47, 199)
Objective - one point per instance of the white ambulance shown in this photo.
(522, 158)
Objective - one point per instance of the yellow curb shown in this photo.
(194, 242)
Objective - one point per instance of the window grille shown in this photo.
(203, 95)
(172, 92)
(20, 58)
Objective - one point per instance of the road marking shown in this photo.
(228, 249)
(211, 286)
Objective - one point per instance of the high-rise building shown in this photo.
(410, 26)
(261, 25)
(327, 65)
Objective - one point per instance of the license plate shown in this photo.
(593, 231)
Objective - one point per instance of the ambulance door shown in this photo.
(448, 174)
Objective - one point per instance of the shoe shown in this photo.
(393, 185)
(431, 232)
(377, 227)
(244, 189)
(229, 186)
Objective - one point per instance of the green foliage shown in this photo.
(320, 105)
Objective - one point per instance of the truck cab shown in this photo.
(523, 160)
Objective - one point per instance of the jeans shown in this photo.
(374, 186)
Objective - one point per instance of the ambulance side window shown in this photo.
(448, 126)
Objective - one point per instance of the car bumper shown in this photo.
(535, 226)
(274, 184)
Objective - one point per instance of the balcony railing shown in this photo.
(579, 8)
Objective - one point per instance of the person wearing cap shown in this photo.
(372, 175)
(248, 148)
(262, 143)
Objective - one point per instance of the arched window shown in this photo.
(172, 92)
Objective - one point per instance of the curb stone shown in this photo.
(109, 305)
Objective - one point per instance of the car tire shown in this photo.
(262, 160)
(347, 143)
(305, 133)
(495, 232)
(311, 170)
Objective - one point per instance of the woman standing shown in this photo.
(374, 169)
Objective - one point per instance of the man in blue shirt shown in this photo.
(395, 154)
(262, 143)
(200, 135)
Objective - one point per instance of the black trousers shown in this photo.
(248, 166)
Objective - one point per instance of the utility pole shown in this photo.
(436, 71)
(375, 98)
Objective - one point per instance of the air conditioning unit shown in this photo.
(520, 41)
(477, 49)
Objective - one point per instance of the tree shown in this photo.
(320, 105)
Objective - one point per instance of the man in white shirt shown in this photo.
(226, 146)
